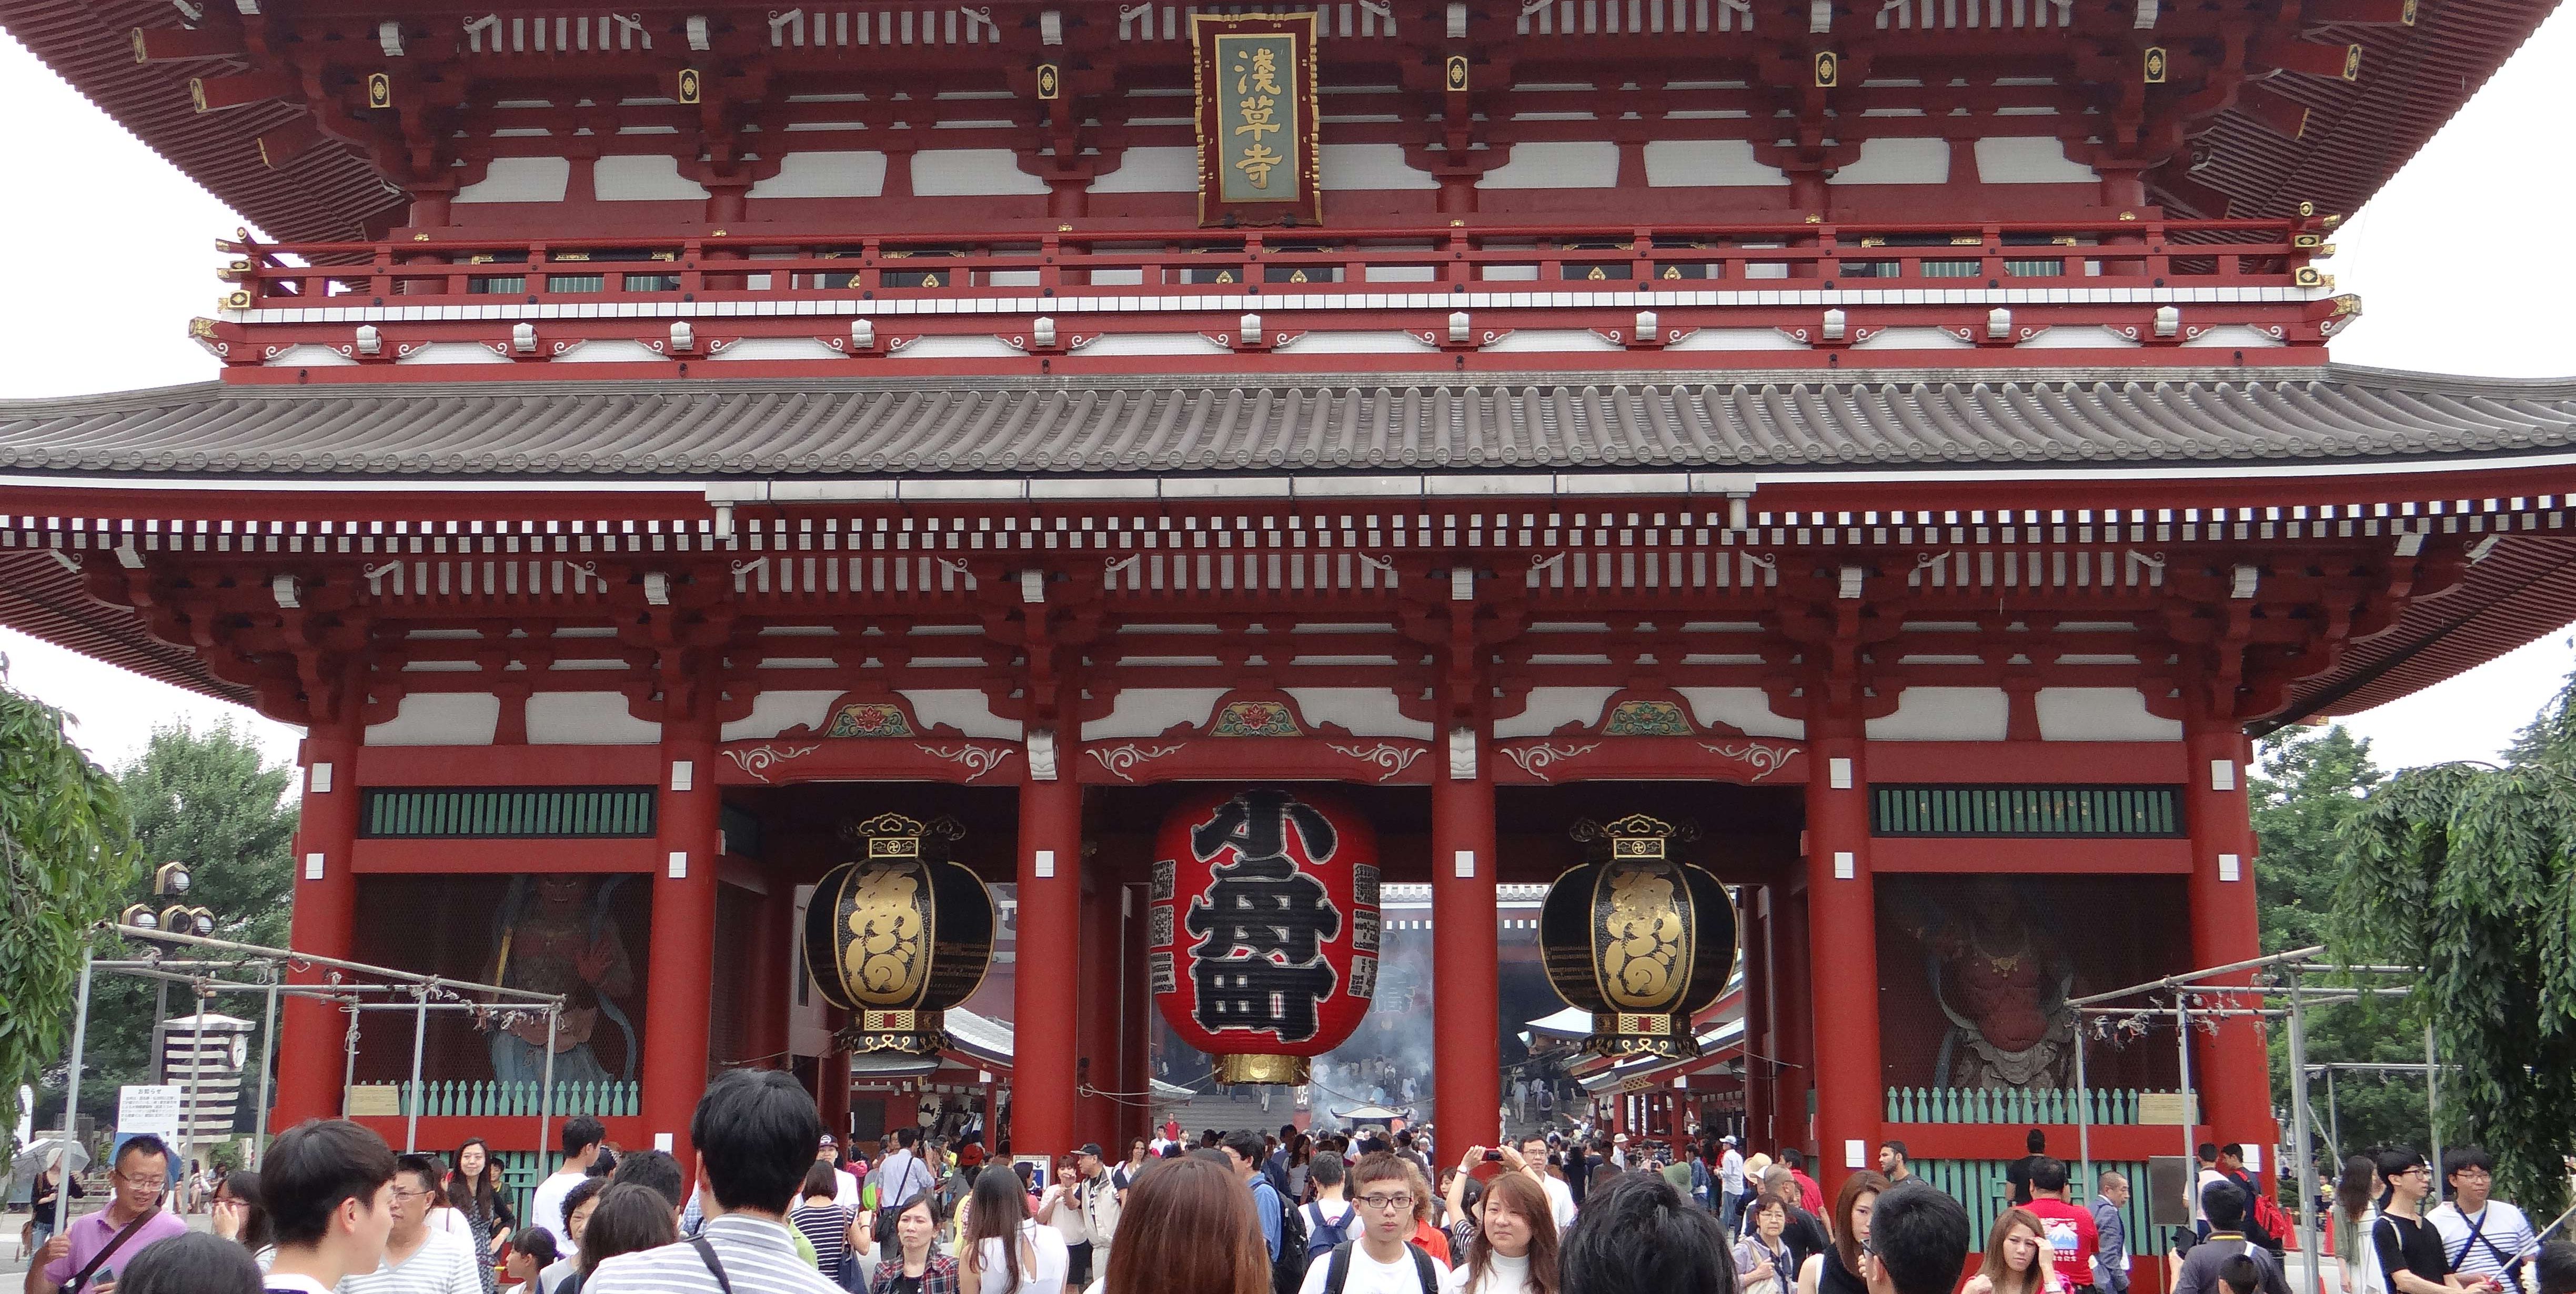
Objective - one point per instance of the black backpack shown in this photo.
(1288, 1270)
(1339, 1273)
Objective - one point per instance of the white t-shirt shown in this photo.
(2502, 1229)
(442, 1265)
(1369, 1276)
(847, 1193)
(1560, 1202)
(1509, 1276)
(1046, 1277)
(545, 1208)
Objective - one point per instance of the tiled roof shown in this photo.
(708, 430)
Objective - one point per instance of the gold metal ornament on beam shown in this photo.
(1638, 938)
(900, 935)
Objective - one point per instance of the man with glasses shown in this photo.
(1383, 1260)
(419, 1258)
(2485, 1239)
(83, 1254)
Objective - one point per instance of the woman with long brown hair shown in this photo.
(2019, 1259)
(1837, 1270)
(1188, 1229)
(1514, 1249)
(1002, 1249)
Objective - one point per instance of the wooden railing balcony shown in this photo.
(1432, 299)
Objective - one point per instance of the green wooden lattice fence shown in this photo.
(2101, 1105)
(1946, 810)
(1980, 1184)
(508, 812)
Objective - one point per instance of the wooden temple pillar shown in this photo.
(2231, 1069)
(1103, 950)
(1466, 1003)
(313, 1035)
(1046, 983)
(1842, 950)
(680, 981)
(1760, 1048)
(1135, 1068)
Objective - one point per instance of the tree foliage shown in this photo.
(67, 849)
(2309, 784)
(2470, 872)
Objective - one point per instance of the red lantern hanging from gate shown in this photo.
(1262, 940)
(900, 935)
(1639, 939)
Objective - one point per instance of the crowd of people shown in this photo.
(779, 1207)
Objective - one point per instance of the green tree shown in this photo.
(68, 852)
(2310, 783)
(2470, 873)
(206, 798)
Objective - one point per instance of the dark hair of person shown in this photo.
(1188, 1228)
(1216, 1157)
(1381, 1166)
(473, 1196)
(1301, 1150)
(1636, 1235)
(242, 1184)
(906, 1138)
(2393, 1163)
(928, 1203)
(2206, 1152)
(2463, 1159)
(2224, 1204)
(1920, 1235)
(1000, 1207)
(1524, 1198)
(820, 1182)
(537, 1243)
(1325, 1169)
(657, 1169)
(1244, 1142)
(144, 1144)
(2048, 1175)
(425, 1168)
(1791, 1159)
(581, 1194)
(581, 1132)
(2240, 1274)
(314, 1166)
(602, 1164)
(2232, 1150)
(1998, 1267)
(2352, 1190)
(1846, 1242)
(1766, 1203)
(629, 1217)
(2036, 1140)
(2557, 1268)
(1897, 1146)
(755, 1129)
(195, 1263)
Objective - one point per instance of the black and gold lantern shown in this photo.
(1638, 938)
(899, 935)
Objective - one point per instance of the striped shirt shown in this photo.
(826, 1227)
(442, 1265)
(759, 1257)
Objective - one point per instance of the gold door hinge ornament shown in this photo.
(691, 87)
(1457, 76)
(380, 90)
(2155, 65)
(1050, 81)
(1829, 69)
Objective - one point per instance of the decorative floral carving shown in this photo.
(758, 760)
(869, 719)
(977, 760)
(1536, 760)
(1647, 719)
(1386, 755)
(1121, 760)
(1763, 759)
(1254, 719)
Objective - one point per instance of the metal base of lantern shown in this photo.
(1623, 1034)
(918, 1033)
(1278, 1071)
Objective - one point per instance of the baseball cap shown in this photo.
(828, 1141)
(1091, 1148)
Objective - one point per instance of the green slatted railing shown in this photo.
(492, 1099)
(466, 812)
(2105, 1105)
(1980, 1184)
(1979, 810)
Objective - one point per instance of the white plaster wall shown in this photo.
(586, 719)
(966, 709)
(1366, 711)
(777, 348)
(440, 719)
(2033, 160)
(520, 179)
(775, 712)
(1898, 161)
(1172, 169)
(1737, 339)
(1745, 708)
(453, 352)
(651, 177)
(1365, 166)
(2077, 337)
(2101, 714)
(1914, 339)
(971, 173)
(1708, 163)
(855, 173)
(1572, 164)
(608, 351)
(309, 355)
(1946, 714)
(2244, 335)
(1148, 712)
(1551, 708)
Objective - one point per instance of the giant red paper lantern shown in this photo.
(1263, 934)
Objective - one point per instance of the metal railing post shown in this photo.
(419, 1040)
(71, 1099)
(267, 1058)
(2301, 1137)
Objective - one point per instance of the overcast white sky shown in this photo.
(114, 252)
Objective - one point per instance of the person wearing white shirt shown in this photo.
(2481, 1235)
(845, 1191)
(581, 1137)
(419, 1258)
(1004, 1250)
(1382, 1260)
(329, 1185)
(1560, 1197)
(1515, 1228)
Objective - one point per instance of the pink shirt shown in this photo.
(90, 1233)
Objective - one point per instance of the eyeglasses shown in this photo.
(1387, 1203)
(143, 1183)
(409, 1196)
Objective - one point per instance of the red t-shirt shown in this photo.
(2071, 1235)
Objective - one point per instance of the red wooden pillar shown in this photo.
(1466, 1005)
(1103, 950)
(2231, 1069)
(1842, 952)
(1045, 983)
(1135, 1069)
(832, 1080)
(769, 988)
(1760, 1048)
(312, 1034)
(1792, 1004)
(681, 979)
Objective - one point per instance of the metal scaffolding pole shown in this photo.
(546, 1087)
(2433, 1110)
(419, 1044)
(2083, 1111)
(2190, 1099)
(267, 1059)
(196, 1067)
(71, 1098)
(2301, 1137)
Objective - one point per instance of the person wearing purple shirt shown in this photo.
(141, 1172)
